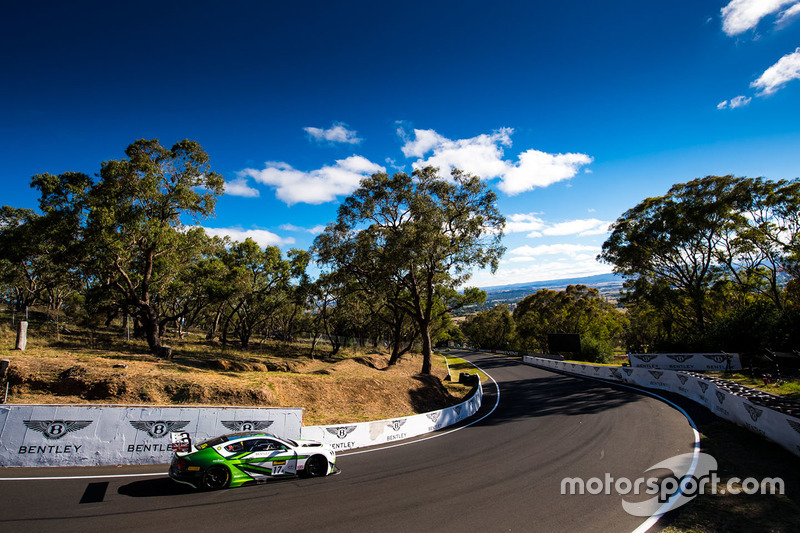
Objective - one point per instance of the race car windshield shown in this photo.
(225, 438)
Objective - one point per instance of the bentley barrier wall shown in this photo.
(774, 425)
(85, 435)
(350, 436)
(699, 362)
(90, 435)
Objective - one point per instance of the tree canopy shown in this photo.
(707, 248)
(420, 233)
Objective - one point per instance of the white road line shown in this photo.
(664, 509)
(436, 435)
(59, 478)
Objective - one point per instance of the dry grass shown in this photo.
(742, 454)
(357, 385)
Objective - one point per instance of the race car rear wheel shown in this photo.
(316, 466)
(215, 478)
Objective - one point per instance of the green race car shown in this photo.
(250, 457)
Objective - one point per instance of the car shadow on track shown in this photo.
(167, 487)
(558, 395)
(162, 486)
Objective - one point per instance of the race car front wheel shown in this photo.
(217, 477)
(316, 466)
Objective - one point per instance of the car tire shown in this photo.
(215, 478)
(316, 466)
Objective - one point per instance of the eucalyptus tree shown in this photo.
(713, 242)
(260, 284)
(424, 234)
(762, 250)
(135, 225)
(576, 309)
(356, 265)
(20, 255)
(493, 329)
(676, 238)
(62, 201)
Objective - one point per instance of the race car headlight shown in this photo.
(181, 464)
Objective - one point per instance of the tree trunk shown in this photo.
(212, 331)
(395, 345)
(314, 338)
(427, 348)
(151, 330)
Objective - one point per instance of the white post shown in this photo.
(22, 335)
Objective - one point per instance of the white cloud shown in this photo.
(262, 237)
(570, 250)
(240, 187)
(518, 223)
(483, 155)
(338, 133)
(540, 169)
(788, 16)
(315, 187)
(424, 142)
(581, 227)
(742, 15)
(540, 271)
(775, 77)
(738, 101)
(316, 230)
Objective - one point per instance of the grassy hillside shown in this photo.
(100, 367)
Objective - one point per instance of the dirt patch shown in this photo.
(351, 388)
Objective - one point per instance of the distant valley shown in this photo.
(609, 286)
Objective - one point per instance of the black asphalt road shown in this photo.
(503, 473)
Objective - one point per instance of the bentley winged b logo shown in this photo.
(55, 429)
(159, 428)
(395, 425)
(246, 425)
(680, 358)
(341, 432)
(753, 411)
(645, 358)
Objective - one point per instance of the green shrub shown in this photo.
(596, 351)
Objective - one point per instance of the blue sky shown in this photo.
(572, 112)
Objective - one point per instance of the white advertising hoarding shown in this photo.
(82, 435)
(352, 436)
(769, 423)
(697, 362)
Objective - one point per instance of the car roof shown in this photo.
(216, 441)
(249, 434)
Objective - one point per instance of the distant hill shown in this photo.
(590, 281)
(609, 286)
